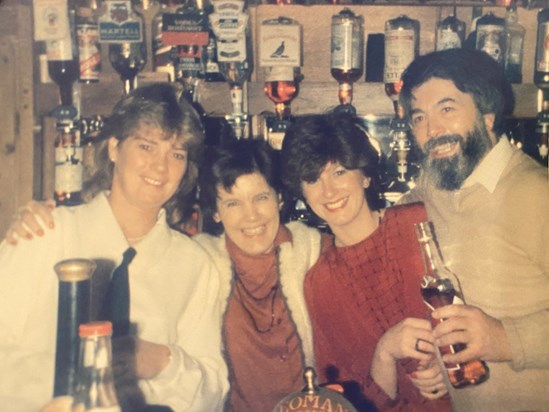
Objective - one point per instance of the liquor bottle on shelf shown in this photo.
(491, 37)
(191, 36)
(163, 54)
(68, 163)
(281, 87)
(211, 65)
(401, 48)
(347, 49)
(123, 29)
(541, 67)
(450, 33)
(89, 49)
(440, 287)
(95, 389)
(514, 43)
(279, 45)
(62, 53)
(229, 22)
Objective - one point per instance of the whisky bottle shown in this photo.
(347, 48)
(401, 48)
(514, 43)
(281, 88)
(89, 49)
(62, 53)
(124, 30)
(163, 54)
(229, 22)
(450, 33)
(69, 167)
(440, 287)
(491, 37)
(541, 68)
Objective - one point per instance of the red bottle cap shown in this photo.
(101, 328)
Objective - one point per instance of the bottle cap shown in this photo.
(102, 328)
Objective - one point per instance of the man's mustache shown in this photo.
(437, 141)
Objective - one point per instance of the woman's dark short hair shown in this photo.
(473, 72)
(313, 141)
(159, 105)
(224, 164)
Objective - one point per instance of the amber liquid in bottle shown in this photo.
(438, 288)
(459, 374)
(281, 92)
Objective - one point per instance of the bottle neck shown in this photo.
(433, 264)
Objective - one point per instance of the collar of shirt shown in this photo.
(489, 170)
(153, 244)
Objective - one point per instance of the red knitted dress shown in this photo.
(354, 294)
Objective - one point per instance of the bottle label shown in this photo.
(542, 52)
(346, 50)
(229, 24)
(399, 53)
(448, 39)
(279, 44)
(50, 19)
(68, 176)
(491, 40)
(189, 28)
(118, 24)
(88, 48)
(231, 50)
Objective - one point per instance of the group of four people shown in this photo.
(246, 310)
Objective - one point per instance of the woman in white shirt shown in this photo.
(147, 166)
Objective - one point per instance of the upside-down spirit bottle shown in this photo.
(162, 58)
(440, 287)
(347, 46)
(401, 47)
(69, 167)
(450, 33)
(541, 68)
(491, 37)
(63, 65)
(281, 87)
(229, 22)
(95, 388)
(514, 43)
(89, 49)
(124, 30)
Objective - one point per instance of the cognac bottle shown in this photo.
(63, 65)
(401, 48)
(347, 45)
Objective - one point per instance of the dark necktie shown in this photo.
(116, 306)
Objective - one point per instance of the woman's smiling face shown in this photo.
(249, 213)
(337, 196)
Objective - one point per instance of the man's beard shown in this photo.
(450, 173)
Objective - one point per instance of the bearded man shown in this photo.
(489, 203)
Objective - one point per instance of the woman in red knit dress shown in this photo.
(370, 325)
